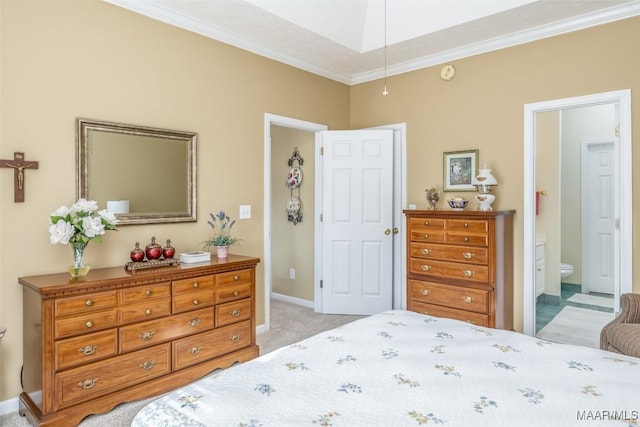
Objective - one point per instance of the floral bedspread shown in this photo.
(400, 368)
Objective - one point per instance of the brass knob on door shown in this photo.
(395, 230)
(387, 232)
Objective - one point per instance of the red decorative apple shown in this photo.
(153, 250)
(137, 254)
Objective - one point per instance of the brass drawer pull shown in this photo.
(88, 303)
(195, 322)
(88, 383)
(89, 324)
(235, 313)
(236, 278)
(88, 350)
(468, 255)
(466, 225)
(467, 299)
(466, 239)
(196, 302)
(235, 338)
(149, 292)
(470, 321)
(426, 223)
(426, 251)
(196, 285)
(425, 267)
(147, 311)
(425, 292)
(467, 273)
(146, 336)
(236, 293)
(426, 237)
(194, 350)
(425, 312)
(148, 364)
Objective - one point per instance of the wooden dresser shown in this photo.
(460, 265)
(114, 336)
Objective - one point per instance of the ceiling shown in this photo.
(344, 40)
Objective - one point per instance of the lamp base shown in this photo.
(484, 201)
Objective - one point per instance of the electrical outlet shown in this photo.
(292, 273)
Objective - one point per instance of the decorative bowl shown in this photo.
(457, 203)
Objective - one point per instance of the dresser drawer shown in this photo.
(453, 270)
(86, 348)
(153, 332)
(427, 236)
(461, 238)
(471, 225)
(232, 293)
(466, 254)
(192, 284)
(427, 224)
(439, 311)
(204, 346)
(86, 323)
(238, 276)
(233, 312)
(451, 296)
(145, 293)
(85, 303)
(99, 378)
(145, 310)
(192, 300)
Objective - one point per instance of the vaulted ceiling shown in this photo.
(345, 39)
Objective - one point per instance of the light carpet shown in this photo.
(289, 324)
(592, 300)
(575, 325)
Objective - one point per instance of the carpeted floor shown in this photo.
(289, 323)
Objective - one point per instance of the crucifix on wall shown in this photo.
(18, 164)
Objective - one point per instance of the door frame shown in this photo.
(586, 212)
(623, 99)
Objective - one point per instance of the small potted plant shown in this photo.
(221, 240)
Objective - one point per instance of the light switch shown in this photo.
(245, 211)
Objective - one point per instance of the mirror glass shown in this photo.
(144, 175)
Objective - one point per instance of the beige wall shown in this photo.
(483, 108)
(66, 59)
(292, 245)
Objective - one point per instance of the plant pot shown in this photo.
(222, 251)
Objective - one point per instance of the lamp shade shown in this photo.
(485, 178)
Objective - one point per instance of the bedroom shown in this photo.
(61, 60)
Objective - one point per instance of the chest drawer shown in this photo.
(145, 310)
(461, 238)
(439, 311)
(192, 284)
(470, 225)
(454, 270)
(193, 300)
(427, 224)
(99, 378)
(451, 296)
(153, 332)
(232, 292)
(145, 293)
(466, 254)
(86, 323)
(85, 349)
(191, 350)
(238, 276)
(233, 312)
(85, 303)
(427, 236)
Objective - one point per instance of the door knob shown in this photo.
(395, 230)
(387, 232)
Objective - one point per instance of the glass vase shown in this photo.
(79, 268)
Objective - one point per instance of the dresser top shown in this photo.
(62, 284)
(450, 213)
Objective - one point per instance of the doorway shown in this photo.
(621, 244)
(399, 200)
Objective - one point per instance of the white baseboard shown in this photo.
(292, 300)
(9, 406)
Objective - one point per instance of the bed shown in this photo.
(401, 368)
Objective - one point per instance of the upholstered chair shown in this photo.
(622, 334)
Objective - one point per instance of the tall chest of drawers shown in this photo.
(460, 265)
(112, 337)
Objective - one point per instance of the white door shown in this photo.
(357, 221)
(599, 216)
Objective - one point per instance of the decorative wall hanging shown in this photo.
(18, 164)
(294, 180)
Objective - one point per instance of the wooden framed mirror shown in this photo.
(142, 174)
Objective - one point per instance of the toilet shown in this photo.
(566, 270)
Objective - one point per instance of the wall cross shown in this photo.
(18, 164)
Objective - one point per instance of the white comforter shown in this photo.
(401, 368)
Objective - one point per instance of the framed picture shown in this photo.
(460, 169)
